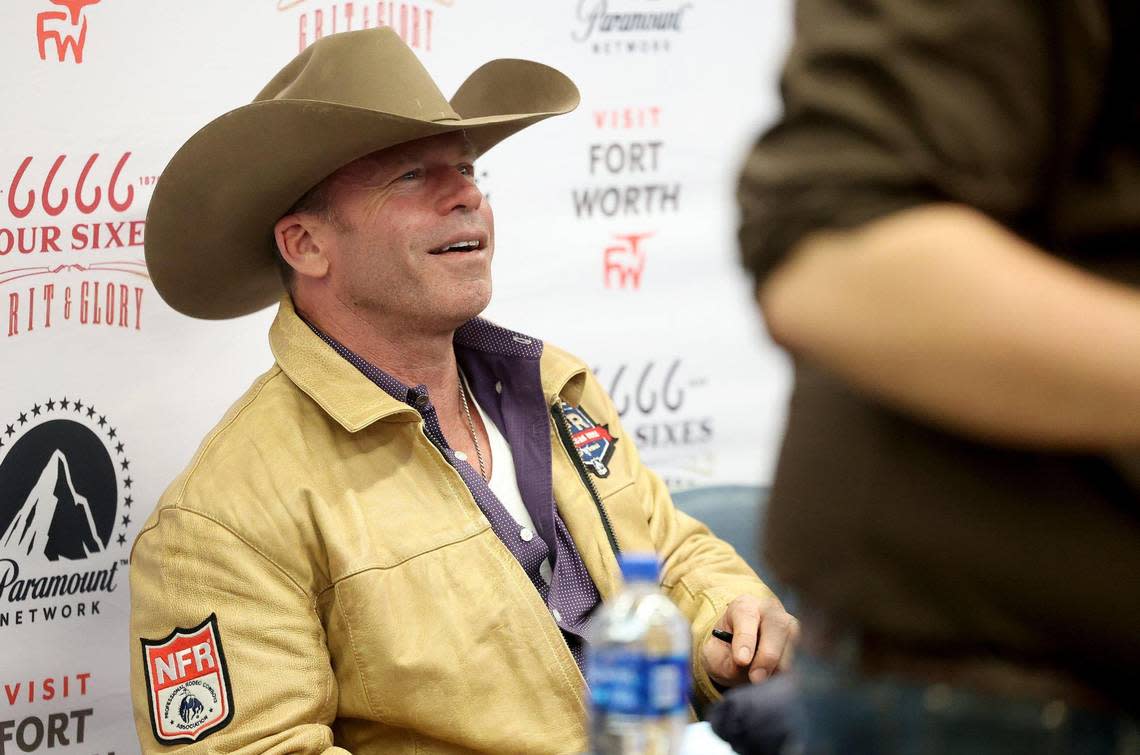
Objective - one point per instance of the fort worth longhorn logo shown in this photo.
(65, 500)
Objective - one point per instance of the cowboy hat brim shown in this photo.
(209, 243)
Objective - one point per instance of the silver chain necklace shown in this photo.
(471, 427)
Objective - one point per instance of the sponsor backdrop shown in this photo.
(615, 239)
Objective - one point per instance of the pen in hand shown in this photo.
(722, 634)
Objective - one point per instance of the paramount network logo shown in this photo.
(639, 17)
(66, 29)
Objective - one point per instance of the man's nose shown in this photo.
(459, 192)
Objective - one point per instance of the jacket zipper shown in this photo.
(563, 429)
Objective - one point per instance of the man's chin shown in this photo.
(459, 312)
(474, 302)
(468, 314)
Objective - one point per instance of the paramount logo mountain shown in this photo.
(55, 521)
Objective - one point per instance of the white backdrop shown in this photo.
(615, 239)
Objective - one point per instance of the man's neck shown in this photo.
(412, 355)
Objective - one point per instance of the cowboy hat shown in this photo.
(209, 229)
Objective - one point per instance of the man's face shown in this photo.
(414, 237)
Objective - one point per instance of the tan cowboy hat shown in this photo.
(209, 230)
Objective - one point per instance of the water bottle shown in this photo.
(637, 667)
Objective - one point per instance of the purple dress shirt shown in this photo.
(502, 368)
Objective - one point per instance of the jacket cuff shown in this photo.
(713, 603)
(704, 690)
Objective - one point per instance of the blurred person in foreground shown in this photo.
(944, 227)
(393, 542)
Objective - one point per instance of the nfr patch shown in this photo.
(594, 443)
(187, 683)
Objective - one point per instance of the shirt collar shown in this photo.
(563, 376)
(344, 390)
(483, 335)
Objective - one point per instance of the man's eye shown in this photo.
(411, 175)
(467, 169)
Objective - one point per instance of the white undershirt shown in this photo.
(503, 482)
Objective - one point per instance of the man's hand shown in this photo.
(750, 620)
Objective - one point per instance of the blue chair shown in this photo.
(735, 514)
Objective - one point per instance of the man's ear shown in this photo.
(297, 242)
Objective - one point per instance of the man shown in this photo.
(945, 230)
(394, 540)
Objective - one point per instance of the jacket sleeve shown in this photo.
(889, 104)
(701, 573)
(186, 567)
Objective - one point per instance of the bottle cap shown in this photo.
(639, 567)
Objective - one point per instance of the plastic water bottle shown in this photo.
(637, 667)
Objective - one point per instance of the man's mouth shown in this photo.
(467, 245)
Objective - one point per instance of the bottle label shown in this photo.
(633, 684)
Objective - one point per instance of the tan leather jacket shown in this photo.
(362, 600)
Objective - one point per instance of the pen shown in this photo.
(721, 634)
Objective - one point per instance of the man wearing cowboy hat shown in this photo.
(393, 541)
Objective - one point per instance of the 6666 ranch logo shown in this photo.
(664, 405)
(71, 240)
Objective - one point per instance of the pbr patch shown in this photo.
(187, 683)
(594, 443)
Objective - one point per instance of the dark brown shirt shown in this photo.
(1030, 112)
